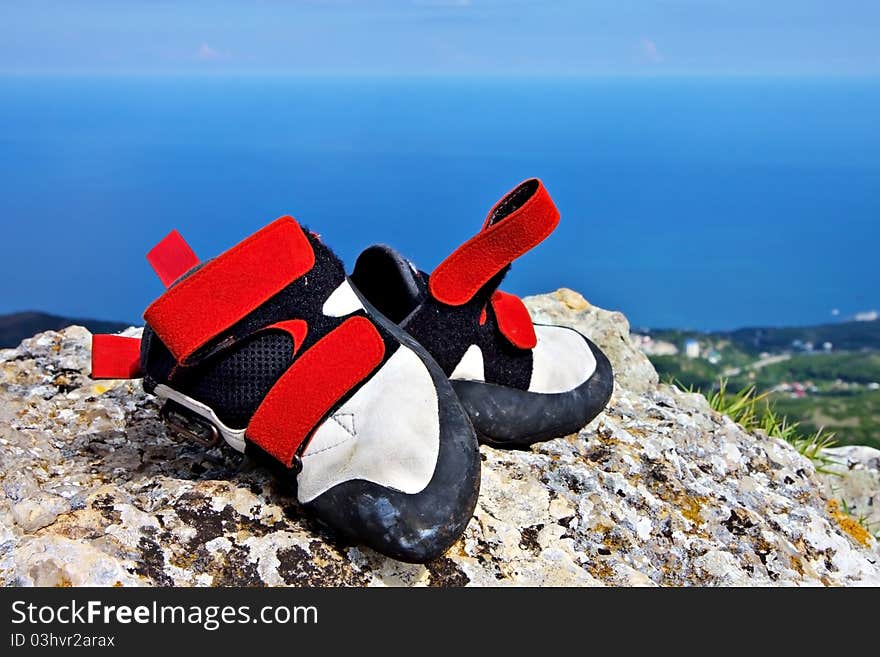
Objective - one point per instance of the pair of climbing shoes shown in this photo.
(371, 391)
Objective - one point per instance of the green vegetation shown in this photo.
(690, 373)
(834, 391)
(839, 399)
(855, 418)
(846, 366)
(822, 369)
(753, 411)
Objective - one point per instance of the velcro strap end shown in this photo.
(115, 357)
(172, 258)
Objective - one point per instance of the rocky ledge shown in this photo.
(657, 490)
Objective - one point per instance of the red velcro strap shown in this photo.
(315, 382)
(229, 287)
(514, 320)
(115, 357)
(503, 239)
(172, 258)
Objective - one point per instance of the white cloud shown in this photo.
(207, 53)
(650, 51)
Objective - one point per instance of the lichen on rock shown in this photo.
(658, 490)
(851, 479)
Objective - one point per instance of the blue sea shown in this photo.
(699, 203)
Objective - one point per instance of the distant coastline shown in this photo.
(15, 327)
(822, 377)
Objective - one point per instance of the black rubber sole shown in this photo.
(413, 527)
(509, 418)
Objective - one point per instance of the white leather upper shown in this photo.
(562, 360)
(470, 367)
(387, 433)
(342, 301)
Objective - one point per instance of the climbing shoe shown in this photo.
(520, 383)
(269, 349)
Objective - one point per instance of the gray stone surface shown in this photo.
(854, 478)
(657, 490)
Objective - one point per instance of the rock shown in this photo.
(852, 477)
(659, 490)
(608, 329)
(38, 511)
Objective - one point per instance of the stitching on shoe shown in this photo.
(338, 419)
(341, 442)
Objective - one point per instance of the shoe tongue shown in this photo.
(390, 282)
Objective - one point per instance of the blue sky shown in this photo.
(442, 37)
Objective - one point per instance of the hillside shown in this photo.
(824, 376)
(844, 336)
(16, 327)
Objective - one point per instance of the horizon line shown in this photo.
(505, 75)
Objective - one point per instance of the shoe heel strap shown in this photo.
(518, 222)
